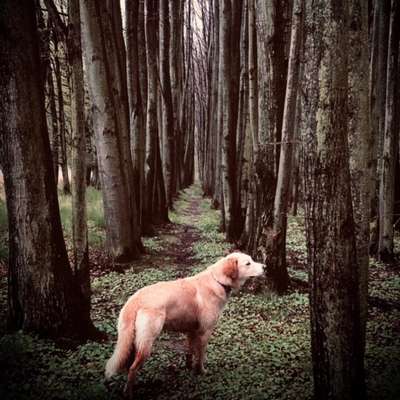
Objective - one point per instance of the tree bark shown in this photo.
(218, 195)
(177, 68)
(276, 259)
(54, 135)
(167, 105)
(390, 142)
(43, 296)
(134, 24)
(62, 125)
(78, 155)
(137, 91)
(276, 39)
(105, 66)
(362, 145)
(381, 33)
(229, 39)
(337, 346)
(155, 200)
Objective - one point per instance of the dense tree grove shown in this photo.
(275, 107)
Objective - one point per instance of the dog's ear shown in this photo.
(230, 268)
(226, 271)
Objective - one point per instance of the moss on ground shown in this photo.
(260, 349)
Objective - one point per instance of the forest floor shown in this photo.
(259, 350)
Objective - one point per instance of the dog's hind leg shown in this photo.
(148, 326)
(190, 351)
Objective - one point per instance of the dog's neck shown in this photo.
(227, 288)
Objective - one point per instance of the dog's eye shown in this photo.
(248, 263)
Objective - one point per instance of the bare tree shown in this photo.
(362, 143)
(276, 258)
(137, 91)
(105, 65)
(167, 105)
(155, 197)
(78, 154)
(390, 141)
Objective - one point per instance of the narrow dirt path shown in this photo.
(180, 237)
(172, 245)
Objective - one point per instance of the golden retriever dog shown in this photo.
(191, 305)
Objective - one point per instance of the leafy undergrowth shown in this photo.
(259, 350)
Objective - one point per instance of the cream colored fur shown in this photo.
(191, 305)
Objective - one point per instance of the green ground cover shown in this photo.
(260, 349)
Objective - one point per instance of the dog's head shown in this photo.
(234, 269)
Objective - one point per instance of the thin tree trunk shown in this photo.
(167, 105)
(382, 32)
(217, 197)
(276, 44)
(155, 201)
(78, 156)
(243, 109)
(374, 125)
(390, 142)
(54, 135)
(134, 95)
(43, 296)
(277, 259)
(62, 126)
(363, 170)
(228, 33)
(177, 77)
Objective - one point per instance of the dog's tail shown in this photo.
(124, 351)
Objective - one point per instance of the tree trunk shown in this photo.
(276, 260)
(155, 200)
(381, 33)
(54, 135)
(276, 39)
(229, 39)
(134, 14)
(218, 195)
(177, 68)
(243, 110)
(105, 66)
(78, 155)
(43, 296)
(62, 126)
(337, 345)
(390, 142)
(362, 145)
(167, 106)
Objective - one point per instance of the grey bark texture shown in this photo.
(336, 332)
(155, 198)
(390, 148)
(78, 155)
(105, 65)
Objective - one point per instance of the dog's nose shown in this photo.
(264, 267)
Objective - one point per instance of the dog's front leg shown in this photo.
(200, 343)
